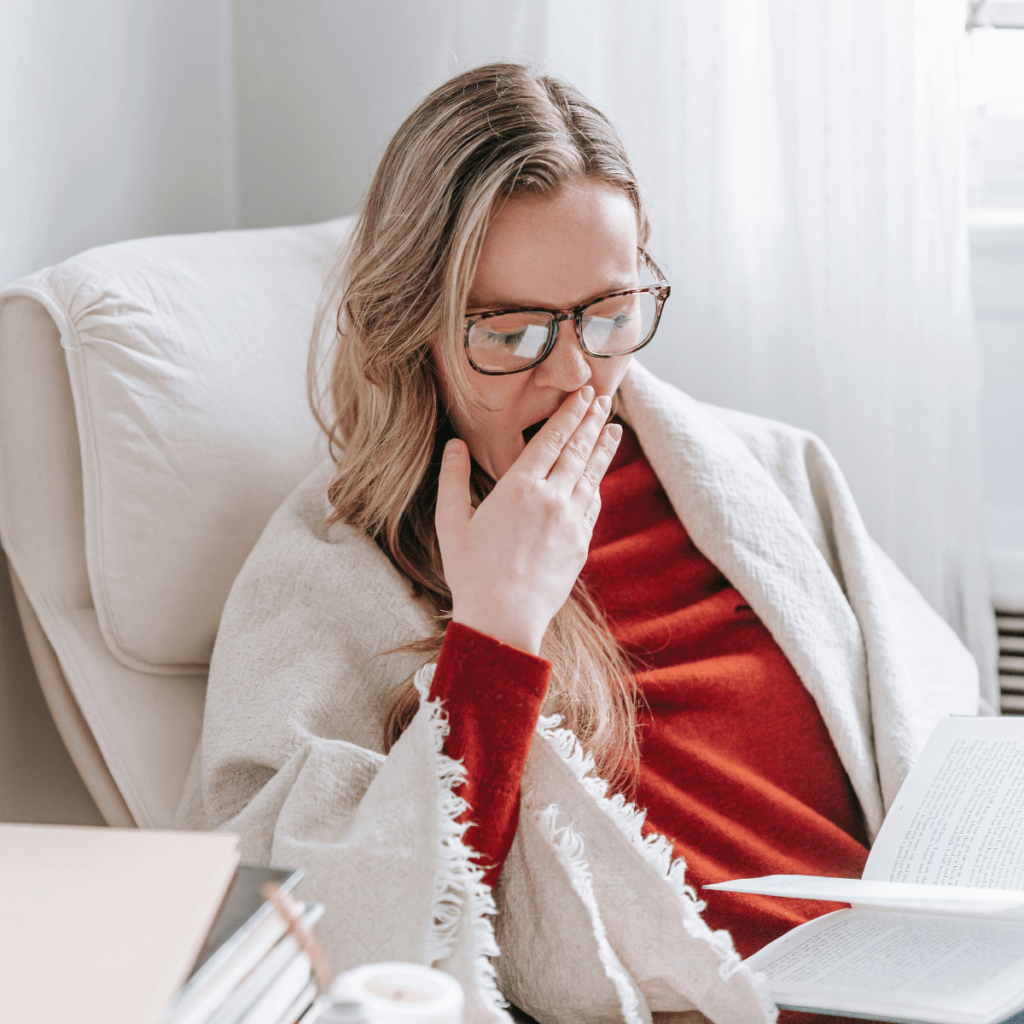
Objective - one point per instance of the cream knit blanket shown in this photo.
(594, 922)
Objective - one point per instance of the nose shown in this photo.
(567, 367)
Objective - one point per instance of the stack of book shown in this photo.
(253, 968)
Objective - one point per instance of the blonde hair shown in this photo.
(487, 134)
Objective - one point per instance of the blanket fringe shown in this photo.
(458, 879)
(568, 848)
(655, 848)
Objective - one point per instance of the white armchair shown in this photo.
(152, 415)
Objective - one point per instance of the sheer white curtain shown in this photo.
(803, 164)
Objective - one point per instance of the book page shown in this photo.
(959, 817)
(884, 895)
(909, 965)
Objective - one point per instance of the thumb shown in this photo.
(454, 508)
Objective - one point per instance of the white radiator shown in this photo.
(1011, 662)
(1006, 573)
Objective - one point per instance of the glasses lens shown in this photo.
(503, 344)
(619, 324)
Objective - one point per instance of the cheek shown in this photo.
(488, 394)
(491, 422)
(496, 395)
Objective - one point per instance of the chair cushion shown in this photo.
(187, 361)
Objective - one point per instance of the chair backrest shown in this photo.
(153, 414)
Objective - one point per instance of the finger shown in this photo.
(589, 483)
(546, 445)
(454, 508)
(570, 465)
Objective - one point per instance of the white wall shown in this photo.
(323, 84)
(116, 120)
(320, 90)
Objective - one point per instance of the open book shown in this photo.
(935, 932)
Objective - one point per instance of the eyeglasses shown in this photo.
(512, 340)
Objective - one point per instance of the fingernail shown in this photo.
(587, 394)
(615, 432)
(451, 450)
(604, 403)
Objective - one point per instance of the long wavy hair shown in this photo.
(405, 274)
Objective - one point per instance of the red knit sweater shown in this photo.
(737, 767)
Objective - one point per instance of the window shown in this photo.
(993, 97)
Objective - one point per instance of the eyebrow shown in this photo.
(476, 304)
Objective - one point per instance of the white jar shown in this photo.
(401, 993)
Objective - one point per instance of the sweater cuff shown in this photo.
(473, 666)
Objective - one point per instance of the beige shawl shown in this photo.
(593, 922)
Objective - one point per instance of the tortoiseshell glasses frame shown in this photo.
(506, 343)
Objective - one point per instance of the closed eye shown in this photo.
(511, 340)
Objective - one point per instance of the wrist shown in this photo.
(527, 637)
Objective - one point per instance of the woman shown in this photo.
(690, 590)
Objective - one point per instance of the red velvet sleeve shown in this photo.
(493, 694)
